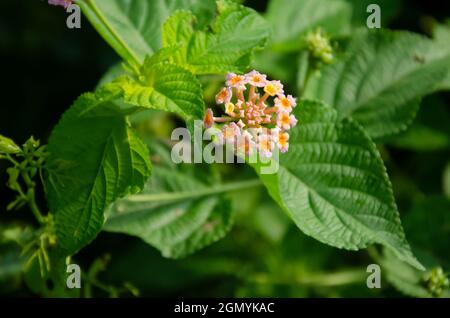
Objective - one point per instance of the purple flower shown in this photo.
(62, 3)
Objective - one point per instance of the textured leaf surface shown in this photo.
(333, 184)
(133, 27)
(234, 35)
(165, 87)
(292, 19)
(175, 213)
(381, 80)
(95, 158)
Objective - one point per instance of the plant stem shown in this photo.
(309, 73)
(168, 196)
(308, 69)
(31, 197)
(14, 162)
(373, 253)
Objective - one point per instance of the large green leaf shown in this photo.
(234, 35)
(177, 212)
(333, 184)
(381, 80)
(133, 27)
(292, 19)
(95, 158)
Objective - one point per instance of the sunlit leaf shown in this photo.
(333, 184)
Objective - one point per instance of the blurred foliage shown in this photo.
(48, 66)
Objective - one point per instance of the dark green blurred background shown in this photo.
(45, 66)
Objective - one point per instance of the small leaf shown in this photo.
(333, 184)
(235, 34)
(8, 146)
(94, 158)
(381, 79)
(165, 87)
(171, 213)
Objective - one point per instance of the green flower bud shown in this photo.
(436, 281)
(319, 46)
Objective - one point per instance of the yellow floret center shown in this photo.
(270, 89)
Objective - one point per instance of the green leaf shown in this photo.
(381, 79)
(292, 19)
(177, 212)
(133, 27)
(333, 184)
(227, 47)
(8, 146)
(95, 158)
(165, 87)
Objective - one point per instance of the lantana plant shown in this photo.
(343, 93)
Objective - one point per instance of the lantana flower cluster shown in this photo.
(258, 114)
